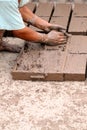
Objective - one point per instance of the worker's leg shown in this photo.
(6, 46)
(1, 35)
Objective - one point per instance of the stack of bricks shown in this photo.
(61, 1)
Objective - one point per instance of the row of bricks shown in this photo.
(61, 1)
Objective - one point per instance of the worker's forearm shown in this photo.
(52, 38)
(28, 34)
(30, 17)
(26, 13)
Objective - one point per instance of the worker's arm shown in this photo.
(52, 38)
(36, 21)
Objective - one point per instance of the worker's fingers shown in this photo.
(56, 27)
(65, 33)
(62, 40)
(62, 37)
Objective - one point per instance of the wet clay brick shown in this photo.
(78, 26)
(63, 21)
(75, 68)
(62, 10)
(80, 10)
(31, 6)
(78, 45)
(61, 15)
(44, 9)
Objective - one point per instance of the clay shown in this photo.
(44, 9)
(78, 26)
(61, 15)
(78, 22)
(80, 10)
(62, 10)
(75, 68)
(63, 21)
(78, 45)
(31, 6)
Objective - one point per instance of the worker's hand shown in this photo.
(54, 38)
(54, 27)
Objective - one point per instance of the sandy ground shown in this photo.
(27, 105)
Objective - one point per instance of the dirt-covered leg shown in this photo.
(6, 46)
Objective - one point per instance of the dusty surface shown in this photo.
(26, 105)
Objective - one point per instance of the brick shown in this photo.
(78, 45)
(80, 10)
(44, 9)
(62, 10)
(75, 68)
(63, 21)
(61, 14)
(31, 6)
(78, 26)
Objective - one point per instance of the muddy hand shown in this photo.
(54, 38)
(65, 33)
(56, 27)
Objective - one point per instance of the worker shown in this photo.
(13, 13)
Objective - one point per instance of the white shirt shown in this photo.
(10, 17)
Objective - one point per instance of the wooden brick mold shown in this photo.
(78, 24)
(59, 63)
(37, 62)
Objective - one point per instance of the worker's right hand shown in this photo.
(54, 38)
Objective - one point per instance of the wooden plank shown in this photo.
(80, 10)
(75, 68)
(78, 26)
(78, 45)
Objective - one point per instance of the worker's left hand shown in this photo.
(54, 27)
